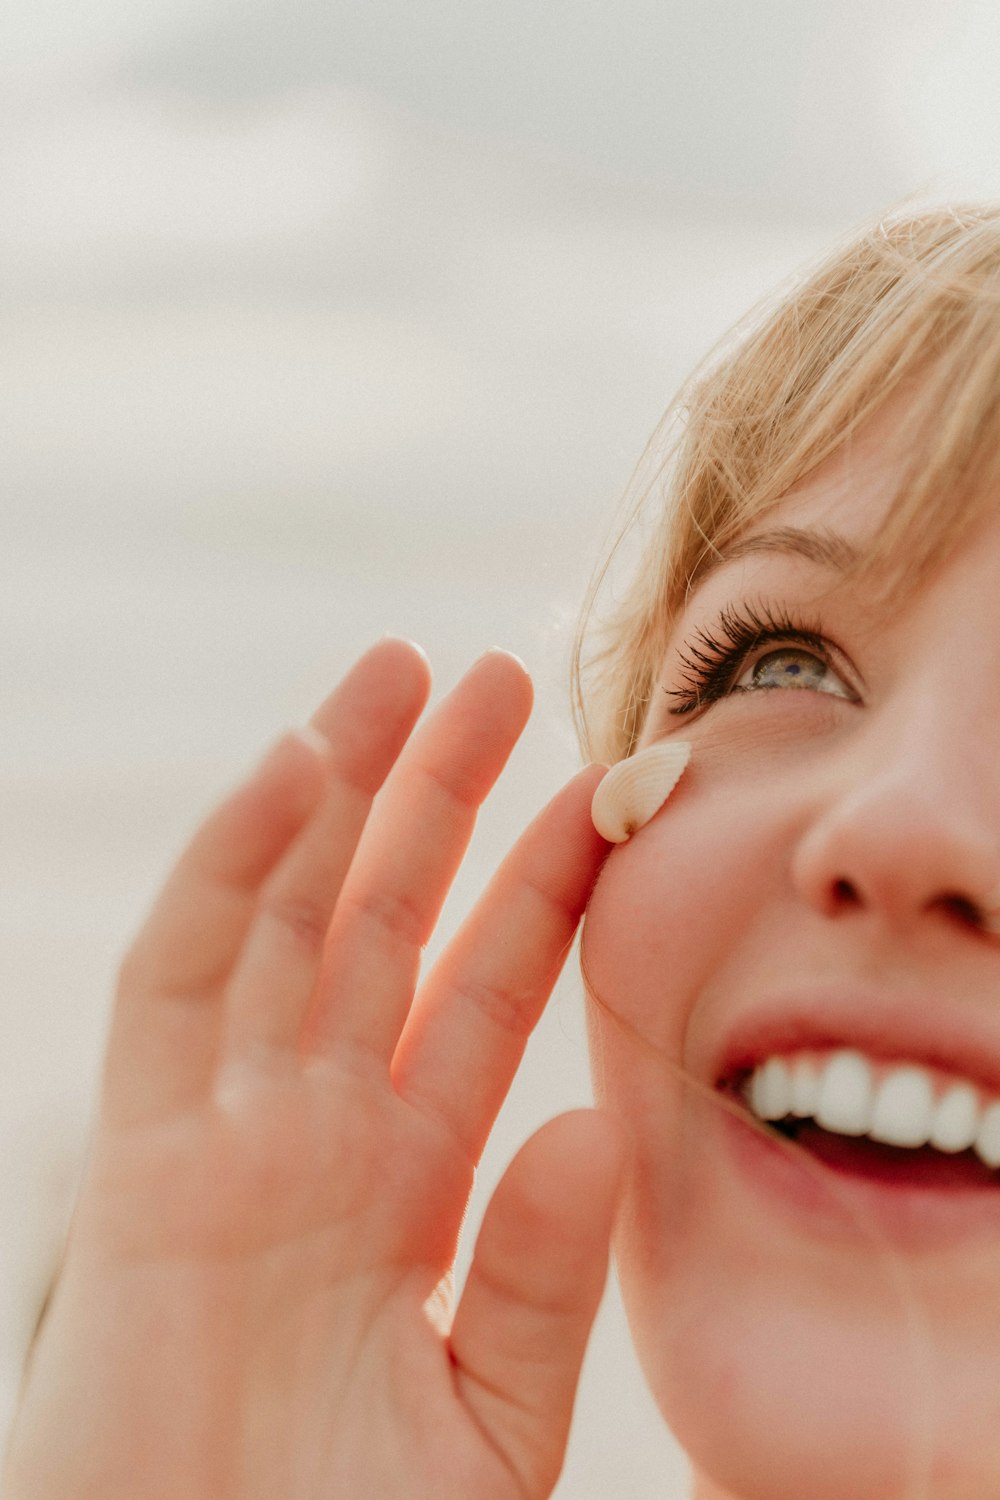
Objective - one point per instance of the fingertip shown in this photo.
(585, 1147)
(380, 697)
(517, 678)
(601, 1132)
(491, 702)
(403, 660)
(502, 651)
(403, 645)
(566, 1180)
(576, 798)
(536, 1282)
(592, 775)
(561, 850)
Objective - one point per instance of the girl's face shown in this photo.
(820, 1319)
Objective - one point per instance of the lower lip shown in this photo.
(834, 1201)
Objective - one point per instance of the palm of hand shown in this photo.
(320, 1243)
(286, 1143)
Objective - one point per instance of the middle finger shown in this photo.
(407, 858)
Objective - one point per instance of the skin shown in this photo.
(239, 1314)
(813, 838)
(253, 1300)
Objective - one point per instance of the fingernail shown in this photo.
(502, 651)
(402, 640)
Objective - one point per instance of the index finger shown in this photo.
(473, 1016)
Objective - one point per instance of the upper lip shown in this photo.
(892, 1025)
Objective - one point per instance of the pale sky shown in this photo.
(823, 108)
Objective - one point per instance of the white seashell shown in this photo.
(636, 788)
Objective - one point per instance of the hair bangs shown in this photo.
(911, 309)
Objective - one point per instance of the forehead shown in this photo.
(830, 518)
(851, 491)
(820, 529)
(914, 484)
(882, 473)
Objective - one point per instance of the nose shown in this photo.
(906, 832)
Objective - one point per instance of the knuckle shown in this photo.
(459, 787)
(504, 1008)
(393, 912)
(302, 918)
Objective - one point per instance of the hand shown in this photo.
(251, 1296)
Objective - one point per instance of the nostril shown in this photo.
(844, 893)
(966, 911)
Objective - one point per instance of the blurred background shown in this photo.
(319, 320)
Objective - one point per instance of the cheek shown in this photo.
(669, 909)
(671, 925)
(676, 903)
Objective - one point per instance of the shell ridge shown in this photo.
(636, 788)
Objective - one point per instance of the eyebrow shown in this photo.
(827, 548)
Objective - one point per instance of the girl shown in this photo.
(793, 974)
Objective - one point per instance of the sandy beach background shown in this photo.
(318, 323)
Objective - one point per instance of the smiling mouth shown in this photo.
(888, 1166)
(860, 1111)
(892, 1122)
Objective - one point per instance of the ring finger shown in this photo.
(366, 721)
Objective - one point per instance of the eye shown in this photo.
(790, 667)
(714, 668)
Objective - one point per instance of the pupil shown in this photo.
(793, 667)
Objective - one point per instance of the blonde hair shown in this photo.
(914, 302)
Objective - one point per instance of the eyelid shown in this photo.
(749, 627)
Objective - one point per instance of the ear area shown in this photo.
(636, 788)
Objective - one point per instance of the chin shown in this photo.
(796, 1372)
(772, 1411)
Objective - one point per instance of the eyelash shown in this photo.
(710, 665)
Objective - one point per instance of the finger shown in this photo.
(366, 722)
(164, 1027)
(466, 1035)
(167, 1021)
(408, 856)
(536, 1281)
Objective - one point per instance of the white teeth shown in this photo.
(904, 1109)
(845, 1094)
(956, 1119)
(839, 1090)
(805, 1088)
(771, 1090)
(988, 1137)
